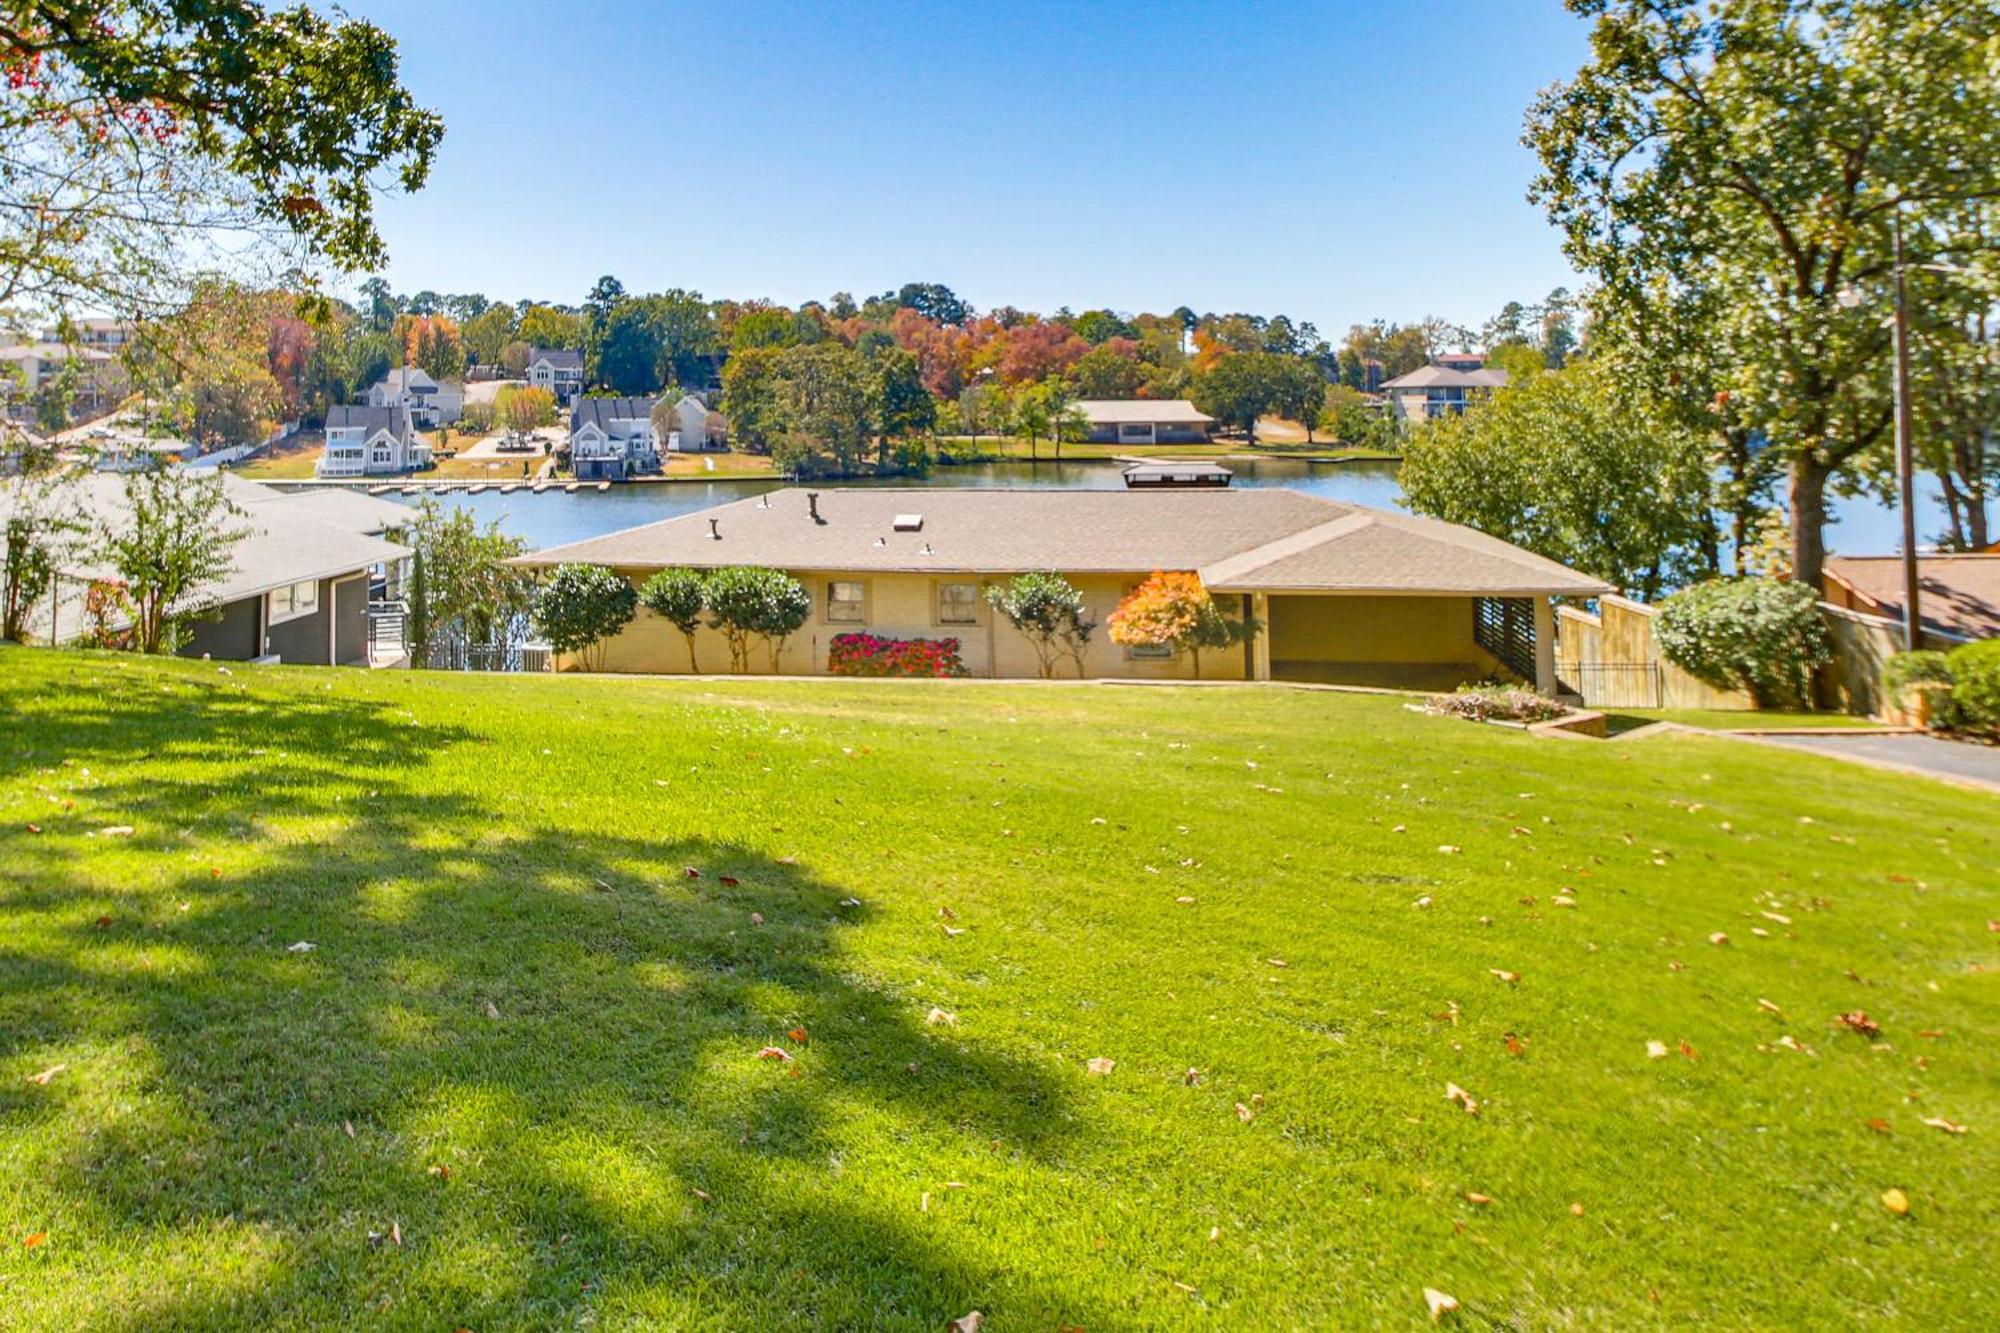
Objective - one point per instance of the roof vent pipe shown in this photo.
(715, 529)
(812, 506)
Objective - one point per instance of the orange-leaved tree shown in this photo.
(1173, 610)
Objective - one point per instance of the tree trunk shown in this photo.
(1808, 502)
(1954, 508)
(1968, 452)
(694, 667)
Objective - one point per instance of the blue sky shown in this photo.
(1332, 161)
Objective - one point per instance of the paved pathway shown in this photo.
(1970, 765)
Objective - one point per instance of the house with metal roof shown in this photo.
(612, 439)
(1341, 593)
(1440, 390)
(1141, 421)
(299, 577)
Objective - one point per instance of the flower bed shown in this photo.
(872, 655)
(1496, 703)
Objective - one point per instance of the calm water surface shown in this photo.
(554, 518)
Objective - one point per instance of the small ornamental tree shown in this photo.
(580, 607)
(175, 541)
(747, 600)
(1048, 611)
(1760, 635)
(677, 596)
(1173, 611)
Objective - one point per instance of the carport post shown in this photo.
(1545, 646)
(1260, 644)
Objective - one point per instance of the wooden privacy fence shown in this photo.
(1612, 660)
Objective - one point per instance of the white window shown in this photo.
(290, 603)
(958, 603)
(846, 602)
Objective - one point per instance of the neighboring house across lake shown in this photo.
(371, 442)
(1143, 421)
(430, 403)
(1439, 390)
(298, 585)
(557, 369)
(612, 439)
(696, 429)
(100, 377)
(1343, 593)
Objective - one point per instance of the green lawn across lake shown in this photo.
(775, 1005)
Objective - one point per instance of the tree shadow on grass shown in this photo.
(533, 1054)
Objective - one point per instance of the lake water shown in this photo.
(555, 517)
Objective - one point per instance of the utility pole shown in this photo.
(1905, 446)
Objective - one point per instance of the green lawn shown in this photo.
(516, 1081)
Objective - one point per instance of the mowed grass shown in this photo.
(516, 1081)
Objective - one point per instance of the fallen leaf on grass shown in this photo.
(47, 1074)
(703, 1195)
(1101, 1065)
(34, 1239)
(775, 1053)
(1896, 1201)
(1439, 1304)
(1879, 1125)
(1422, 903)
(1939, 1122)
(1856, 1020)
(938, 1016)
(1768, 1007)
(967, 1323)
(798, 1035)
(1576, 1209)
(1689, 1051)
(1657, 1050)
(1515, 1044)
(441, 1171)
(1447, 849)
(1778, 917)
(1244, 1113)
(951, 932)
(1277, 962)
(34, 828)
(1478, 1199)
(396, 1232)
(492, 1009)
(1718, 939)
(303, 946)
(729, 881)
(689, 872)
(1509, 977)
(1454, 1093)
(117, 831)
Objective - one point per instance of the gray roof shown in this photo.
(1264, 540)
(394, 419)
(1158, 411)
(601, 412)
(280, 544)
(341, 506)
(1167, 467)
(1444, 377)
(560, 358)
(414, 378)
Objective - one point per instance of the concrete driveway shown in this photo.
(1953, 761)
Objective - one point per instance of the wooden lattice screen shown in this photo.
(1505, 627)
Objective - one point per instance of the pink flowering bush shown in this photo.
(873, 655)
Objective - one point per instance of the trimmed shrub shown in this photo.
(1923, 675)
(746, 600)
(1756, 634)
(581, 606)
(678, 595)
(1048, 610)
(872, 655)
(1502, 703)
(1975, 689)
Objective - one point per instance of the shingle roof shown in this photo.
(1444, 377)
(411, 377)
(1957, 595)
(1159, 411)
(1249, 540)
(395, 420)
(601, 412)
(559, 358)
(343, 507)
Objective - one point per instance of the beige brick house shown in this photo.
(1344, 593)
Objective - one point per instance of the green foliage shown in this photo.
(750, 600)
(1107, 372)
(1047, 610)
(1568, 466)
(170, 545)
(42, 530)
(580, 606)
(678, 595)
(1760, 635)
(1350, 418)
(1926, 674)
(1975, 688)
(1727, 172)
(1243, 386)
(462, 588)
(154, 122)
(820, 405)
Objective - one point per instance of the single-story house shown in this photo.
(371, 441)
(557, 369)
(1439, 390)
(298, 584)
(1144, 420)
(612, 439)
(1342, 593)
(430, 403)
(1958, 596)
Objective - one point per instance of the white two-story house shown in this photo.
(430, 403)
(612, 439)
(371, 441)
(695, 429)
(557, 369)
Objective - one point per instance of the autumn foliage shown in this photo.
(1173, 610)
